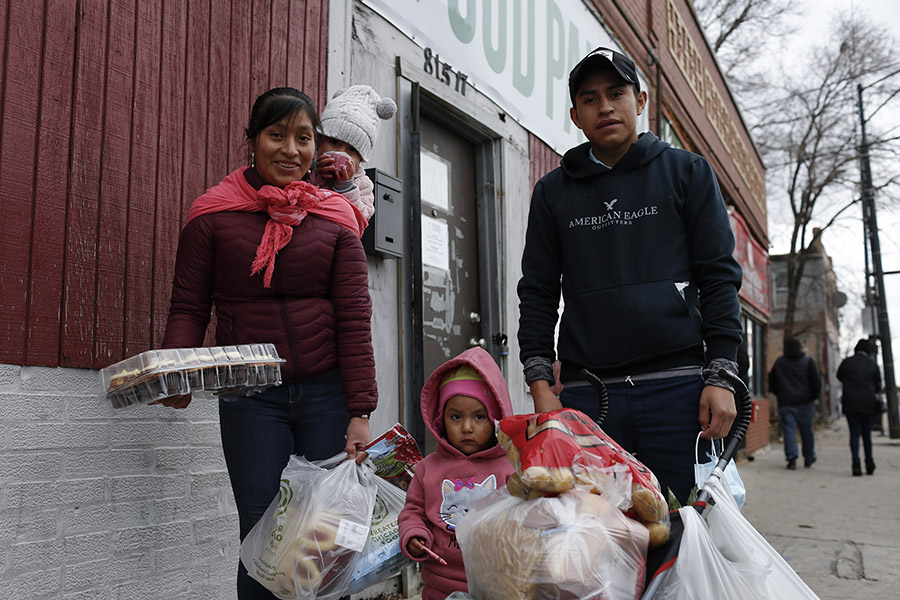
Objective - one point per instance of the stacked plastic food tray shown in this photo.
(223, 370)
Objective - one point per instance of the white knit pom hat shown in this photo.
(353, 115)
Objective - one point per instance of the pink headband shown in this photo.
(473, 388)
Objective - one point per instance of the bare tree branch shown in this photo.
(738, 29)
(803, 118)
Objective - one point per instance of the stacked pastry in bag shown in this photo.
(576, 523)
(307, 543)
(332, 529)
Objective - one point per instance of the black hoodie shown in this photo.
(632, 248)
(861, 381)
(794, 378)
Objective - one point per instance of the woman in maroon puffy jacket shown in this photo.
(282, 263)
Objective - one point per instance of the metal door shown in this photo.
(451, 312)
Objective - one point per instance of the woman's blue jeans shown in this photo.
(259, 434)
(657, 421)
(860, 425)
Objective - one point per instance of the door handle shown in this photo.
(473, 341)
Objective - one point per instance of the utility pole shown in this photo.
(871, 229)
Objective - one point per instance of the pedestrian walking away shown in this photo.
(859, 401)
(796, 383)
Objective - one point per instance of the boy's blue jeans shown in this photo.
(657, 421)
(798, 417)
(259, 433)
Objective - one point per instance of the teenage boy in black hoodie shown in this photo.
(633, 233)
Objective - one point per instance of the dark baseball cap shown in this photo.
(623, 65)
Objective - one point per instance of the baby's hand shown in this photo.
(336, 165)
(416, 546)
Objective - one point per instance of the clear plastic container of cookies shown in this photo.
(221, 370)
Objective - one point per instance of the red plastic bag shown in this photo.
(559, 450)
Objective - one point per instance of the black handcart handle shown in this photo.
(602, 396)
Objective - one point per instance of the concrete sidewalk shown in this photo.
(840, 533)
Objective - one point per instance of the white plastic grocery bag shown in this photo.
(381, 558)
(738, 540)
(702, 572)
(307, 543)
(574, 545)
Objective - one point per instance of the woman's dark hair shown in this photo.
(276, 104)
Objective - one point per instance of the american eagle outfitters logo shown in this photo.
(613, 217)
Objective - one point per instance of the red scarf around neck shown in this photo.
(287, 207)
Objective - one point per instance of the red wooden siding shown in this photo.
(757, 436)
(50, 182)
(542, 157)
(19, 154)
(114, 116)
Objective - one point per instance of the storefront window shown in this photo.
(667, 134)
(755, 360)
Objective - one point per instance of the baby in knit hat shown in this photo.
(350, 123)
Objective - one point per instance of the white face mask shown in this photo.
(703, 471)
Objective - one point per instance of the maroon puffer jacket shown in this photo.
(317, 311)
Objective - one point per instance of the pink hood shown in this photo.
(482, 362)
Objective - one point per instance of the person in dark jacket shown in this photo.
(282, 262)
(632, 233)
(796, 383)
(861, 379)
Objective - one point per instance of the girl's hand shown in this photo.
(174, 401)
(416, 546)
(358, 437)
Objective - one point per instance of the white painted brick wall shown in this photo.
(97, 503)
(105, 504)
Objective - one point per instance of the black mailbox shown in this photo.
(384, 235)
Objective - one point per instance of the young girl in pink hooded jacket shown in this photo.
(460, 403)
